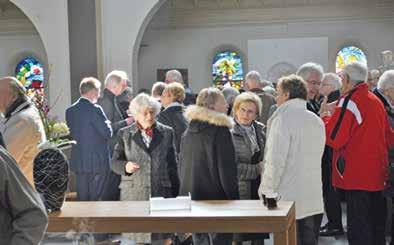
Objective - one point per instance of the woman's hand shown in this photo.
(132, 167)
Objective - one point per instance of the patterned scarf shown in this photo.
(147, 134)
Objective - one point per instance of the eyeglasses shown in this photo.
(314, 83)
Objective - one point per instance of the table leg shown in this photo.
(293, 233)
(281, 238)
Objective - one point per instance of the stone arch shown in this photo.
(50, 18)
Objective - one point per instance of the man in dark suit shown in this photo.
(115, 84)
(90, 157)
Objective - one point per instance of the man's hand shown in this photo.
(131, 167)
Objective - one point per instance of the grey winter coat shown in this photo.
(249, 164)
(158, 174)
(22, 214)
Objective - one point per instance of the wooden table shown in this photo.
(205, 216)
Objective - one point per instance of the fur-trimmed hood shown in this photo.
(203, 114)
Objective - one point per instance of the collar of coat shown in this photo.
(290, 104)
(203, 114)
(18, 105)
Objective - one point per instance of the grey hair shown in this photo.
(174, 76)
(88, 84)
(333, 79)
(115, 78)
(357, 72)
(386, 81)
(229, 94)
(308, 68)
(374, 73)
(143, 101)
(255, 77)
(158, 88)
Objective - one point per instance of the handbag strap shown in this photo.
(342, 115)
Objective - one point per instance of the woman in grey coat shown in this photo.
(145, 157)
(249, 141)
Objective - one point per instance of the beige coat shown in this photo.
(22, 133)
(292, 158)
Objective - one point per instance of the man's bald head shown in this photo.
(10, 90)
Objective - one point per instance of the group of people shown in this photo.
(312, 135)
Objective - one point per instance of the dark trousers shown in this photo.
(366, 217)
(308, 230)
(212, 239)
(90, 187)
(112, 191)
(331, 198)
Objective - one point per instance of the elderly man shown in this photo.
(360, 168)
(90, 157)
(312, 74)
(21, 126)
(115, 84)
(176, 76)
(329, 89)
(157, 90)
(255, 84)
(373, 78)
(23, 215)
(385, 92)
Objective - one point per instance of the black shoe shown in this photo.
(331, 232)
(324, 227)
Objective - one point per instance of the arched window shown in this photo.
(348, 55)
(30, 73)
(227, 70)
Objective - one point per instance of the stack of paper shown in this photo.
(163, 204)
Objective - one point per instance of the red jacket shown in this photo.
(363, 139)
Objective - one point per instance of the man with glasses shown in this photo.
(312, 74)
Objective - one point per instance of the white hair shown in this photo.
(158, 88)
(308, 68)
(115, 78)
(144, 101)
(356, 71)
(174, 76)
(333, 79)
(229, 94)
(386, 81)
(256, 78)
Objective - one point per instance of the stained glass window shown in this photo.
(227, 70)
(30, 73)
(348, 55)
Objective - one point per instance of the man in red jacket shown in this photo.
(359, 133)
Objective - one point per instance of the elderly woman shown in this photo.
(145, 157)
(173, 114)
(293, 151)
(207, 158)
(249, 139)
(229, 94)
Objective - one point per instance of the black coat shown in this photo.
(174, 117)
(390, 114)
(110, 107)
(92, 130)
(207, 158)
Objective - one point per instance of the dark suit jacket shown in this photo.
(91, 129)
(110, 107)
(173, 117)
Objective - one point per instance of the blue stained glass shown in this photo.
(30, 73)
